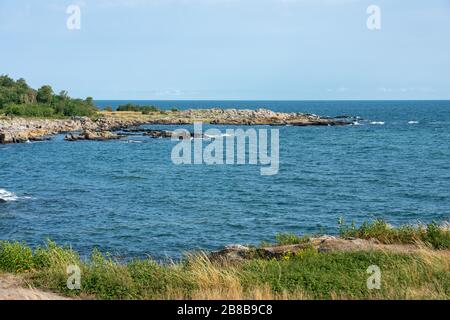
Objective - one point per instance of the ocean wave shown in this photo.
(377, 122)
(7, 196)
(217, 136)
(413, 122)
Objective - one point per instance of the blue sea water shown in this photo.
(126, 196)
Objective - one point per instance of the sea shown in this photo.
(129, 199)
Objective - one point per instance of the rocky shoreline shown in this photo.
(18, 130)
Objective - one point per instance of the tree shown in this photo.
(22, 83)
(90, 101)
(6, 81)
(45, 94)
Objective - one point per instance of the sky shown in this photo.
(230, 49)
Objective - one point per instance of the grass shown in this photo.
(431, 235)
(290, 238)
(307, 274)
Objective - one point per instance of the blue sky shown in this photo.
(230, 49)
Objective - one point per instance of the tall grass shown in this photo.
(306, 274)
(432, 234)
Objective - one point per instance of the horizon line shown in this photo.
(271, 100)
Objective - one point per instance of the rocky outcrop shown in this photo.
(15, 130)
(243, 117)
(169, 134)
(158, 133)
(320, 244)
(92, 135)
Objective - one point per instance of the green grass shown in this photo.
(290, 238)
(432, 234)
(307, 274)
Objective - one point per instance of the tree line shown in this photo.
(19, 99)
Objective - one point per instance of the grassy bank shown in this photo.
(308, 274)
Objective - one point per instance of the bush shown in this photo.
(15, 257)
(432, 234)
(136, 108)
(29, 110)
(289, 238)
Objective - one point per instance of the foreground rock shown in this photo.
(321, 244)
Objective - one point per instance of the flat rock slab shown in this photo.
(321, 244)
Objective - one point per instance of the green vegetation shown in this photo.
(18, 99)
(137, 108)
(431, 234)
(290, 238)
(307, 274)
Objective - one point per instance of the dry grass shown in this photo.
(423, 273)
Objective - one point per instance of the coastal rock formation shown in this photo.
(169, 134)
(243, 117)
(15, 130)
(92, 135)
(158, 133)
(321, 244)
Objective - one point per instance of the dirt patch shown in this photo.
(15, 288)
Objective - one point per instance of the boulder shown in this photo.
(93, 135)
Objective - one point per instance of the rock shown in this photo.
(158, 133)
(231, 253)
(93, 135)
(169, 134)
(322, 244)
(15, 130)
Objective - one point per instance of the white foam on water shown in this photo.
(218, 136)
(5, 195)
(377, 123)
(413, 122)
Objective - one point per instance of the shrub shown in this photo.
(29, 110)
(432, 234)
(15, 257)
(289, 238)
(137, 108)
